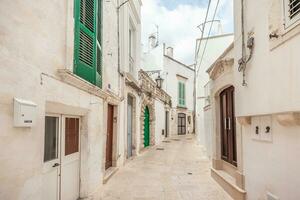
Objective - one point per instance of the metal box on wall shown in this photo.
(24, 113)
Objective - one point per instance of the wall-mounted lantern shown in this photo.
(159, 81)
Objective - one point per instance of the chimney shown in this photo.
(170, 52)
(152, 42)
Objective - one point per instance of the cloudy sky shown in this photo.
(178, 20)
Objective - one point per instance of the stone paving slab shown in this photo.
(179, 172)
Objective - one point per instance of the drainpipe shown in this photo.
(195, 100)
(121, 74)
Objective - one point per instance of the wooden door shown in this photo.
(109, 139)
(146, 127)
(167, 124)
(181, 124)
(61, 158)
(228, 135)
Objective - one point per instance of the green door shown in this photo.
(146, 127)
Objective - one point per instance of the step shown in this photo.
(109, 173)
(228, 183)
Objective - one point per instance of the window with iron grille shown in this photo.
(292, 11)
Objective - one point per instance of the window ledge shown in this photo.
(284, 35)
(182, 107)
(289, 119)
(74, 80)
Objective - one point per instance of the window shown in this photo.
(51, 138)
(181, 94)
(88, 43)
(292, 11)
(131, 49)
(294, 8)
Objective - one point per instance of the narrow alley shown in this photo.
(176, 169)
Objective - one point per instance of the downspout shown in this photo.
(195, 100)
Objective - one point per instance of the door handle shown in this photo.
(56, 165)
(229, 123)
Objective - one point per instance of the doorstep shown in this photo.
(228, 183)
(109, 173)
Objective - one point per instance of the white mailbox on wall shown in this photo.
(24, 113)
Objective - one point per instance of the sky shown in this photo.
(178, 20)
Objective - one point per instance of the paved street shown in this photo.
(176, 170)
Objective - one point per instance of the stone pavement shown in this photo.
(171, 171)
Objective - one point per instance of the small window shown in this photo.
(51, 138)
(292, 11)
(131, 45)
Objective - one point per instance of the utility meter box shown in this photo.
(24, 113)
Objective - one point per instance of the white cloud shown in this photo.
(178, 27)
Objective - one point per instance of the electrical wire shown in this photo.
(202, 33)
(215, 12)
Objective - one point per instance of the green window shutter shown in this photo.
(99, 45)
(179, 93)
(183, 94)
(85, 39)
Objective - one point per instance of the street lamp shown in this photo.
(159, 81)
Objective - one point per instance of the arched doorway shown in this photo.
(146, 127)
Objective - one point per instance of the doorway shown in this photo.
(227, 120)
(129, 125)
(181, 124)
(167, 124)
(146, 127)
(109, 137)
(61, 158)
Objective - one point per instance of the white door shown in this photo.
(70, 159)
(51, 169)
(61, 158)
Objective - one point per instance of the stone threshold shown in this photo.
(109, 173)
(228, 183)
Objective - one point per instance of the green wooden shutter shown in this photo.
(85, 39)
(99, 45)
(183, 94)
(179, 93)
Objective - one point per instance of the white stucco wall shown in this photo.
(170, 75)
(214, 48)
(160, 115)
(35, 42)
(273, 84)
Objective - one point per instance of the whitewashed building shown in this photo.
(257, 125)
(63, 96)
(208, 49)
(177, 81)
